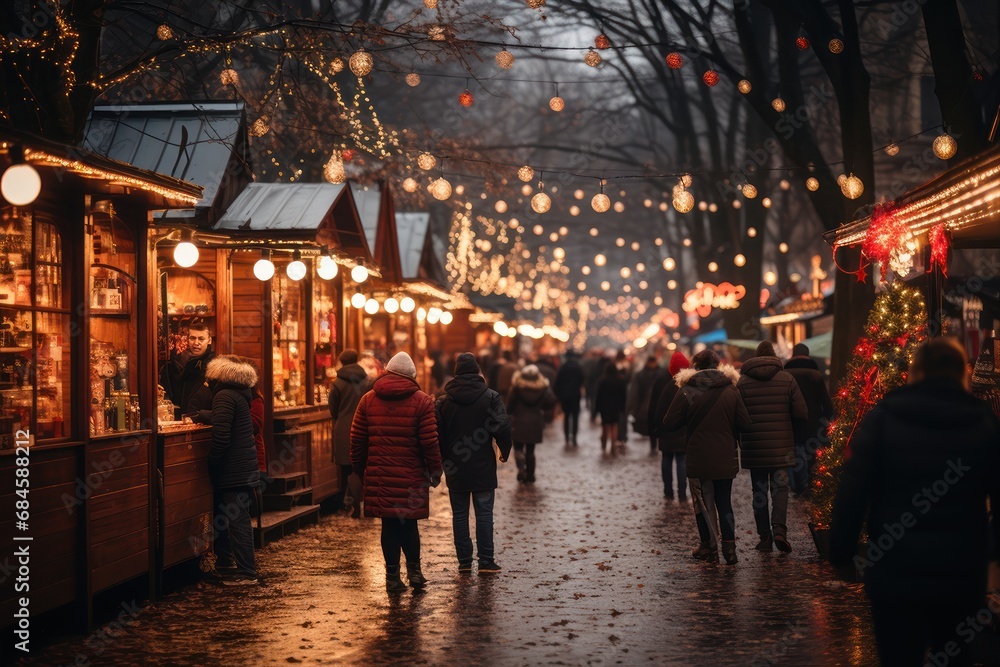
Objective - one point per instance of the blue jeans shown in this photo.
(482, 502)
(666, 469)
(234, 530)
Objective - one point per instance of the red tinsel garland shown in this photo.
(885, 234)
(938, 239)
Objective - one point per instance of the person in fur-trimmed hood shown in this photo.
(530, 397)
(775, 403)
(232, 464)
(709, 407)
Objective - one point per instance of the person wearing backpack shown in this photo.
(711, 410)
(470, 417)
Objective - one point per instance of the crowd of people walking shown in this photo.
(708, 419)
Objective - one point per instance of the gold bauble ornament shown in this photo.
(601, 202)
(526, 173)
(426, 161)
(440, 189)
(945, 146)
(361, 62)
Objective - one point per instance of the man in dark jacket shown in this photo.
(774, 401)
(232, 465)
(470, 417)
(183, 376)
(811, 433)
(919, 468)
(640, 395)
(568, 389)
(351, 384)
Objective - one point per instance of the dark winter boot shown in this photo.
(729, 552)
(417, 578)
(704, 552)
(766, 543)
(393, 584)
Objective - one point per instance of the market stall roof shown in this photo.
(411, 228)
(200, 142)
(39, 151)
(378, 218)
(966, 199)
(320, 213)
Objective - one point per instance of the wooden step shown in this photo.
(275, 525)
(288, 500)
(285, 482)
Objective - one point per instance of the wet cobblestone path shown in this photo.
(596, 571)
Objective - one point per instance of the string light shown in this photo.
(410, 185)
(440, 189)
(600, 202)
(891, 150)
(361, 62)
(412, 79)
(945, 146)
(674, 60)
(711, 78)
(333, 170)
(812, 184)
(592, 57)
(466, 99)
(426, 161)
(557, 104)
(778, 104)
(744, 86)
(749, 191)
(505, 59)
(852, 187)
(526, 173)
(835, 46)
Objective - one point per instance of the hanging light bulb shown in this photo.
(185, 252)
(740, 260)
(296, 269)
(812, 184)
(412, 79)
(782, 248)
(500, 206)
(526, 173)
(592, 57)
(602, 42)
(263, 269)
(669, 264)
(371, 306)
(683, 201)
(505, 59)
(744, 86)
(541, 202)
(852, 187)
(600, 260)
(749, 191)
(770, 278)
(557, 104)
(327, 268)
(601, 202)
(674, 60)
(407, 304)
(713, 266)
(778, 104)
(446, 318)
(426, 161)
(892, 149)
(835, 45)
(466, 99)
(440, 189)
(359, 273)
(20, 184)
(421, 314)
(361, 62)
(766, 202)
(358, 300)
(433, 315)
(333, 170)
(410, 185)
(391, 305)
(751, 232)
(945, 146)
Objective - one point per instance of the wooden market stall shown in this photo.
(294, 319)
(77, 337)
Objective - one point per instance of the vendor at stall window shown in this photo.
(183, 377)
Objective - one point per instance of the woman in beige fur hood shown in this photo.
(711, 409)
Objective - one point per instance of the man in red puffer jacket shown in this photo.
(394, 449)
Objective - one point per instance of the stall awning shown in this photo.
(203, 143)
(966, 199)
(319, 213)
(45, 152)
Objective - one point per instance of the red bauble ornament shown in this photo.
(711, 77)
(802, 43)
(466, 99)
(674, 60)
(347, 154)
(602, 42)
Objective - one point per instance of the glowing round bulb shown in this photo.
(739, 260)
(782, 247)
(500, 206)
(605, 285)
(601, 202)
(421, 314)
(296, 270)
(359, 273)
(327, 268)
(426, 161)
(671, 284)
(812, 184)
(20, 184)
(751, 232)
(683, 201)
(619, 207)
(361, 63)
(447, 318)
(749, 191)
(766, 202)
(538, 230)
(600, 260)
(526, 173)
(505, 59)
(440, 189)
(713, 267)
(625, 272)
(263, 269)
(410, 185)
(371, 306)
(185, 254)
(579, 194)
(391, 305)
(407, 304)
(852, 187)
(770, 278)
(574, 210)
(412, 79)
(557, 104)
(433, 316)
(945, 146)
(778, 104)
(669, 264)
(541, 203)
(358, 300)
(744, 86)
(594, 231)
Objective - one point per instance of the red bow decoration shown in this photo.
(860, 272)
(938, 238)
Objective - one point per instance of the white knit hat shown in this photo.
(402, 364)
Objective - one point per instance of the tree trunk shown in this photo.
(953, 76)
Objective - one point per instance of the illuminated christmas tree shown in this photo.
(896, 325)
